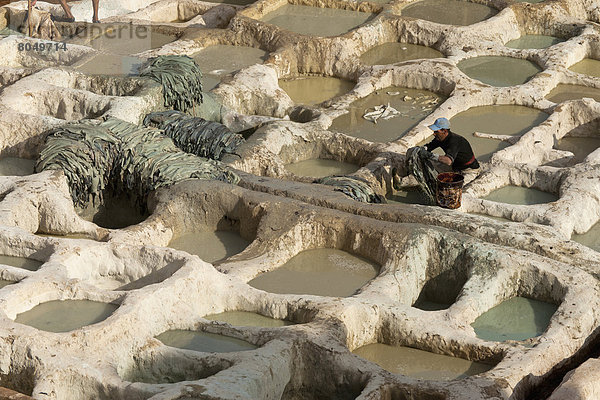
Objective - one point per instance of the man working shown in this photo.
(70, 17)
(459, 154)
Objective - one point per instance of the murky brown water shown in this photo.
(219, 60)
(316, 21)
(315, 89)
(499, 71)
(244, 318)
(408, 196)
(587, 66)
(21, 262)
(318, 168)
(115, 213)
(66, 315)
(581, 147)
(125, 39)
(590, 239)
(111, 64)
(4, 283)
(520, 195)
(203, 341)
(322, 272)
(572, 92)
(518, 318)
(14, 166)
(413, 105)
(449, 12)
(210, 246)
(391, 53)
(533, 42)
(420, 364)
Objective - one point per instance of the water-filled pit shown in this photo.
(4, 283)
(14, 166)
(315, 89)
(449, 12)
(114, 213)
(244, 318)
(587, 66)
(222, 59)
(590, 239)
(412, 195)
(111, 64)
(66, 315)
(412, 104)
(518, 318)
(499, 70)
(420, 364)
(203, 341)
(316, 21)
(572, 92)
(210, 246)
(520, 195)
(318, 168)
(391, 53)
(534, 42)
(581, 147)
(21, 262)
(322, 272)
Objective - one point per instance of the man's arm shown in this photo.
(445, 160)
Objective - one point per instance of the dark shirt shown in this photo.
(458, 149)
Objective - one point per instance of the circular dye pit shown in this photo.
(587, 66)
(420, 364)
(114, 213)
(412, 105)
(322, 272)
(4, 283)
(203, 341)
(499, 120)
(572, 92)
(581, 147)
(319, 168)
(66, 315)
(111, 64)
(124, 39)
(219, 60)
(315, 89)
(499, 71)
(533, 42)
(210, 246)
(520, 195)
(449, 12)
(518, 318)
(590, 239)
(316, 21)
(407, 196)
(244, 318)
(21, 262)
(14, 166)
(391, 53)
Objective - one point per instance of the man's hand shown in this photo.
(445, 160)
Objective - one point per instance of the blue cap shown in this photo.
(440, 123)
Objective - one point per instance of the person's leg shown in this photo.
(67, 9)
(95, 5)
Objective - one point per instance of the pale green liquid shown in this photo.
(587, 66)
(316, 21)
(420, 364)
(319, 168)
(449, 12)
(111, 64)
(203, 341)
(128, 39)
(581, 147)
(412, 111)
(322, 272)
(533, 42)
(520, 195)
(499, 71)
(572, 92)
(590, 239)
(4, 283)
(67, 315)
(315, 89)
(13, 166)
(244, 318)
(514, 319)
(210, 246)
(21, 262)
(391, 53)
(219, 60)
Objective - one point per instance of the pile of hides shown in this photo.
(353, 187)
(180, 78)
(418, 163)
(196, 135)
(124, 158)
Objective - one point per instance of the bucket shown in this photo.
(449, 189)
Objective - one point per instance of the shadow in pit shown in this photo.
(22, 380)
